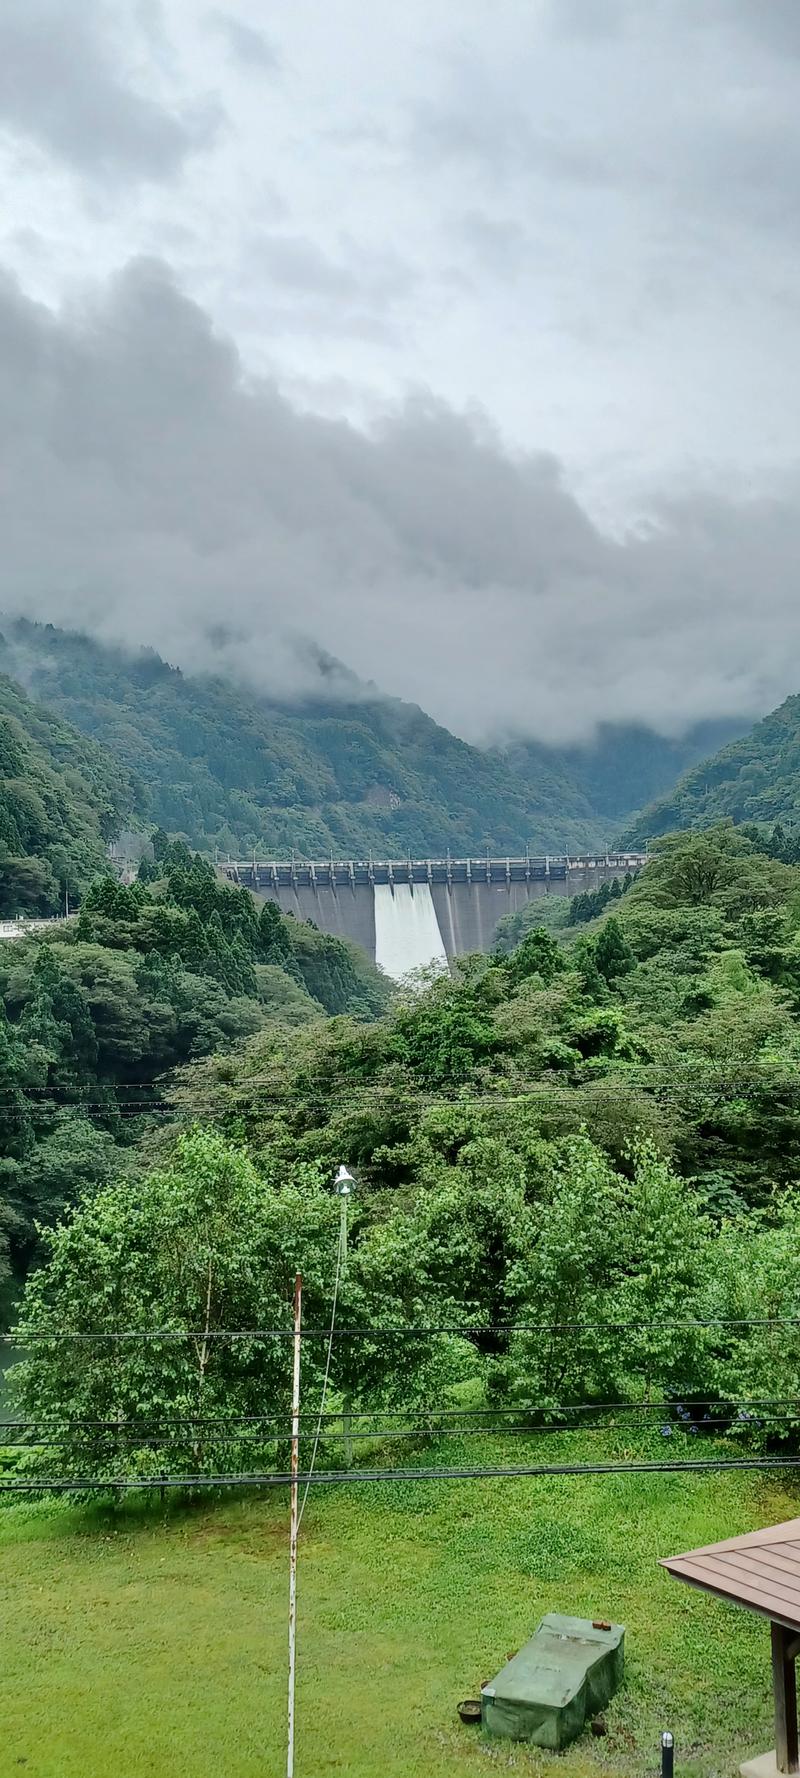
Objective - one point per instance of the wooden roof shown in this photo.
(760, 1570)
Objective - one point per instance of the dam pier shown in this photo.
(408, 913)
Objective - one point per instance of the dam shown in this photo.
(409, 913)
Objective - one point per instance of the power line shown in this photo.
(423, 1411)
(709, 1423)
(610, 1086)
(555, 1098)
(476, 1472)
(465, 1330)
(327, 1078)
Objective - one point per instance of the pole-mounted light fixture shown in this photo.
(344, 1182)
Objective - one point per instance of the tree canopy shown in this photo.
(62, 797)
(599, 1128)
(178, 965)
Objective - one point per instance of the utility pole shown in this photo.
(298, 1296)
(343, 1184)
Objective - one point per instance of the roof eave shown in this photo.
(689, 1580)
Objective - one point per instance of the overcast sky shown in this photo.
(463, 339)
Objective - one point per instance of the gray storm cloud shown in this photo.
(153, 493)
(248, 46)
(62, 85)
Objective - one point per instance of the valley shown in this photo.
(399, 890)
(229, 771)
(573, 1139)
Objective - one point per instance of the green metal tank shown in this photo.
(557, 1682)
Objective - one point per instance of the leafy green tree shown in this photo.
(27, 885)
(615, 1264)
(562, 1281)
(57, 1026)
(537, 954)
(71, 1158)
(612, 953)
(718, 868)
(204, 1246)
(16, 1142)
(752, 1287)
(443, 1037)
(61, 798)
(15, 1125)
(584, 957)
(282, 998)
(662, 1271)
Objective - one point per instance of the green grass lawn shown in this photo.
(139, 1643)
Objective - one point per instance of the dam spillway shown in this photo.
(399, 909)
(407, 931)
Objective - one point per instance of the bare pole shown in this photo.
(298, 1295)
(343, 1184)
(346, 1419)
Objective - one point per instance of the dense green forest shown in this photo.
(755, 779)
(62, 798)
(598, 1127)
(223, 767)
(556, 912)
(146, 977)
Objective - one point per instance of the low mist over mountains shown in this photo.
(155, 492)
(625, 767)
(228, 769)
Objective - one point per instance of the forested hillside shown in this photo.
(755, 779)
(676, 1015)
(605, 1132)
(177, 966)
(62, 797)
(626, 766)
(224, 768)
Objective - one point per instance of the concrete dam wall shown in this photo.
(408, 914)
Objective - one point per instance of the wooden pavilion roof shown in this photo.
(760, 1571)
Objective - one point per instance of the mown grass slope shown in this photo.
(151, 1642)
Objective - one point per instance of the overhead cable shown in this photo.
(336, 1478)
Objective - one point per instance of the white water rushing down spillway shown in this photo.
(407, 932)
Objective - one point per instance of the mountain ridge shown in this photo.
(228, 769)
(755, 778)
